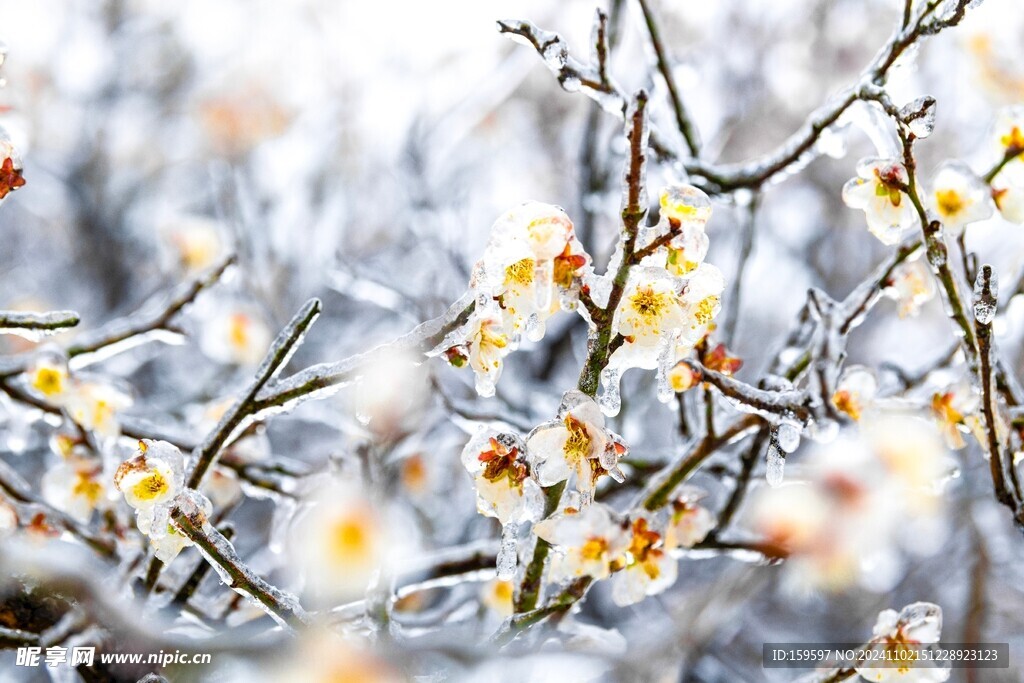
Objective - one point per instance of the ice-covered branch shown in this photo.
(219, 552)
(240, 414)
(782, 403)
(16, 322)
(683, 121)
(317, 380)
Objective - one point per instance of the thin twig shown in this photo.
(44, 322)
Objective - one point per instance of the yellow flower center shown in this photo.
(706, 310)
(950, 202)
(503, 592)
(594, 548)
(677, 262)
(577, 445)
(151, 486)
(85, 486)
(1014, 140)
(520, 273)
(650, 305)
(49, 381)
(350, 539)
(848, 402)
(238, 331)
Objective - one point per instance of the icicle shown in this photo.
(919, 116)
(534, 328)
(610, 400)
(543, 280)
(985, 302)
(484, 385)
(665, 364)
(776, 465)
(507, 557)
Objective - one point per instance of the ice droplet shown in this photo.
(985, 301)
(919, 116)
(787, 436)
(776, 465)
(507, 557)
(534, 328)
(610, 400)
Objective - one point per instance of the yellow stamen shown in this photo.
(950, 202)
(520, 272)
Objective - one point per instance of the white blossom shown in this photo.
(877, 191)
(588, 541)
(959, 197)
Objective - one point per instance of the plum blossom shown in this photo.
(530, 265)
(684, 211)
(587, 541)
(646, 568)
(959, 197)
(96, 406)
(855, 391)
(153, 483)
(504, 489)
(1008, 192)
(195, 241)
(48, 376)
(877, 190)
(76, 486)
(902, 635)
(1008, 132)
(955, 410)
(340, 542)
(497, 596)
(575, 443)
(236, 335)
(689, 523)
(11, 177)
(487, 344)
(911, 285)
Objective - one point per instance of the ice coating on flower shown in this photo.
(911, 285)
(165, 538)
(587, 541)
(575, 443)
(877, 191)
(685, 204)
(488, 344)
(959, 197)
(701, 300)
(340, 542)
(504, 488)
(236, 335)
(683, 377)
(689, 524)
(647, 568)
(96, 407)
(154, 476)
(1008, 131)
(48, 377)
(855, 391)
(77, 486)
(1008, 192)
(530, 266)
(650, 314)
(954, 408)
(899, 635)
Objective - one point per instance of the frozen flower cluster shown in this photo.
(91, 402)
(152, 483)
(906, 636)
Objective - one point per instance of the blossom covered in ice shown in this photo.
(587, 541)
(877, 190)
(903, 637)
(487, 345)
(497, 595)
(340, 541)
(1008, 192)
(911, 285)
(959, 197)
(689, 523)
(646, 568)
(504, 489)
(96, 406)
(48, 376)
(575, 443)
(955, 410)
(76, 485)
(195, 241)
(154, 476)
(153, 483)
(1009, 132)
(684, 211)
(855, 391)
(530, 265)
